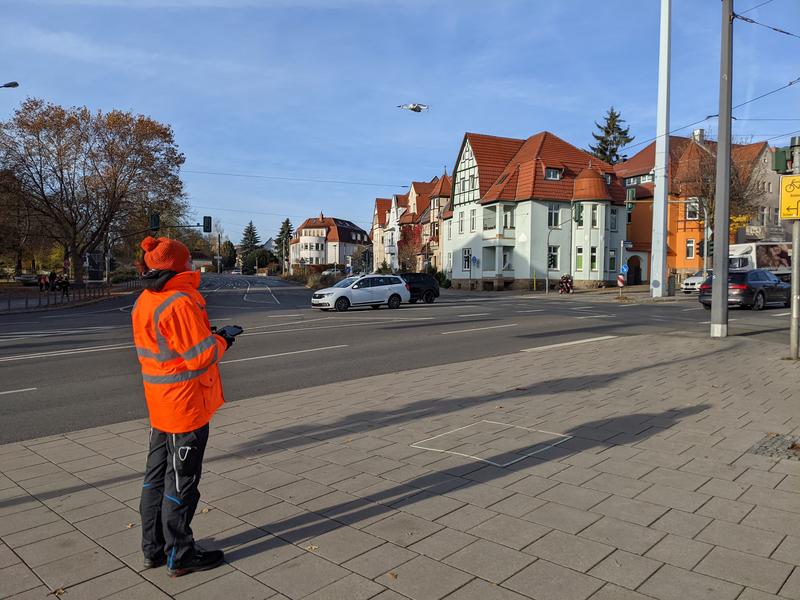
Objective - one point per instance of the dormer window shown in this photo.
(552, 174)
(608, 178)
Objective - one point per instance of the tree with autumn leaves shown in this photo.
(79, 179)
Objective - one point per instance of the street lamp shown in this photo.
(10, 84)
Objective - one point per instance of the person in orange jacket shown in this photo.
(179, 355)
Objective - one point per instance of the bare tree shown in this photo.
(85, 174)
(409, 246)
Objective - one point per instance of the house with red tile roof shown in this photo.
(380, 216)
(326, 241)
(686, 228)
(523, 210)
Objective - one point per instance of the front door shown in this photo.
(361, 292)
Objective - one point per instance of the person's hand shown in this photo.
(229, 339)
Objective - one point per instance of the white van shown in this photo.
(772, 256)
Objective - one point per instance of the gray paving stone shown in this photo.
(681, 523)
(302, 575)
(424, 579)
(561, 517)
(27, 519)
(611, 591)
(616, 484)
(752, 571)
(53, 548)
(352, 587)
(442, 543)
(679, 551)
(477, 589)
(261, 554)
(791, 588)
(77, 568)
(402, 529)
(626, 536)
(727, 510)
(175, 585)
(35, 534)
(627, 509)
(788, 551)
(723, 488)
(673, 497)
(428, 506)
(343, 543)
(379, 560)
(553, 582)
(771, 519)
(516, 505)
(466, 517)
(489, 561)
(105, 585)
(16, 579)
(231, 585)
(770, 498)
(481, 494)
(740, 537)
(7, 557)
(672, 583)
(508, 531)
(570, 495)
(108, 523)
(625, 569)
(569, 550)
(244, 502)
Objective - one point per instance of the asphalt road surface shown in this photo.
(75, 368)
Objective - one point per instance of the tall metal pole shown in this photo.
(219, 252)
(794, 333)
(658, 255)
(719, 288)
(706, 230)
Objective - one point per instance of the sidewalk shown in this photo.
(372, 488)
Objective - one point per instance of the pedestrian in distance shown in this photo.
(51, 280)
(42, 283)
(64, 285)
(179, 356)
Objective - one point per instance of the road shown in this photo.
(71, 369)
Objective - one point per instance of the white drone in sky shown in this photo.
(414, 107)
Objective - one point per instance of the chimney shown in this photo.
(699, 135)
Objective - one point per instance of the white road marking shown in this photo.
(269, 289)
(786, 314)
(17, 391)
(236, 360)
(573, 343)
(473, 315)
(289, 323)
(479, 329)
(688, 309)
(596, 317)
(282, 316)
(581, 307)
(709, 322)
(66, 352)
(531, 310)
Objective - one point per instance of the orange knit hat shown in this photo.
(165, 254)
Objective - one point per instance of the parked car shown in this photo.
(692, 284)
(755, 289)
(27, 279)
(370, 290)
(423, 287)
(236, 272)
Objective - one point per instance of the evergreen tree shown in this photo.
(228, 255)
(283, 240)
(611, 137)
(250, 240)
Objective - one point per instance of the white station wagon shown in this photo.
(370, 290)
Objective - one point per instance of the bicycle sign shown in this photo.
(790, 196)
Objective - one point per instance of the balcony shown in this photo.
(502, 237)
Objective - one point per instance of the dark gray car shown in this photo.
(754, 289)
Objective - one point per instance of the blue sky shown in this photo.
(309, 88)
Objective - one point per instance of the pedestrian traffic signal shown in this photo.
(155, 222)
(206, 224)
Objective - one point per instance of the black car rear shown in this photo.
(422, 285)
(754, 289)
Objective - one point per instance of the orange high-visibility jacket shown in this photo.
(178, 354)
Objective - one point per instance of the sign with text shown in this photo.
(790, 196)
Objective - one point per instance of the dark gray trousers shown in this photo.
(170, 495)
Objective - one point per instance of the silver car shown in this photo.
(370, 290)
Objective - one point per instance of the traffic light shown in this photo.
(781, 159)
(206, 224)
(629, 206)
(155, 222)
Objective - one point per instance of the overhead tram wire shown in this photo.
(772, 27)
(764, 95)
(301, 179)
(756, 6)
(267, 214)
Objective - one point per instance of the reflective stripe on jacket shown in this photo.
(178, 354)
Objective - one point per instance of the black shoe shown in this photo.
(155, 561)
(199, 561)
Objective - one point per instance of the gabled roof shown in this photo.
(643, 161)
(443, 187)
(336, 229)
(523, 177)
(382, 206)
(492, 154)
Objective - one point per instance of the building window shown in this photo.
(630, 217)
(769, 187)
(594, 215)
(508, 217)
(630, 194)
(631, 181)
(613, 220)
(593, 258)
(449, 261)
(466, 259)
(472, 219)
(553, 215)
(472, 181)
(690, 249)
(553, 256)
(435, 229)
(579, 215)
(646, 178)
(776, 215)
(579, 258)
(450, 229)
(434, 203)
(612, 261)
(461, 221)
(762, 215)
(607, 178)
(552, 174)
(692, 210)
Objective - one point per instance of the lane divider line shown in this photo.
(17, 391)
(479, 329)
(236, 360)
(530, 310)
(572, 343)
(474, 315)
(65, 352)
(596, 317)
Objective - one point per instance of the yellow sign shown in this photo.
(790, 196)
